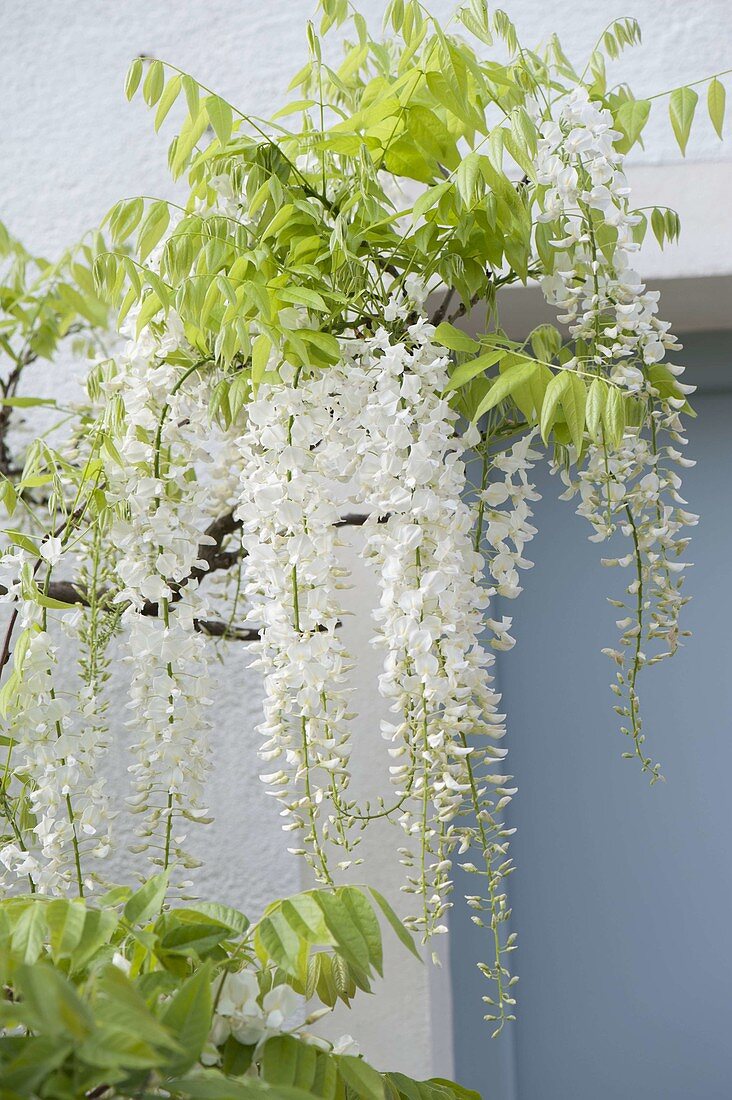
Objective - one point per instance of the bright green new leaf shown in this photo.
(28, 402)
(361, 1078)
(716, 98)
(148, 899)
(596, 398)
(324, 341)
(221, 117)
(132, 80)
(29, 933)
(261, 349)
(631, 118)
(455, 339)
(394, 921)
(465, 372)
(613, 417)
(154, 83)
(574, 400)
(505, 384)
(553, 396)
(232, 918)
(99, 926)
(167, 99)
(66, 920)
(188, 1016)
(681, 108)
(658, 225)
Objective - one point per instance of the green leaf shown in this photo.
(188, 1015)
(232, 918)
(658, 225)
(349, 939)
(361, 1078)
(465, 372)
(596, 399)
(152, 229)
(147, 900)
(99, 927)
(323, 341)
(454, 339)
(716, 98)
(154, 83)
(132, 80)
(302, 296)
(221, 117)
(631, 118)
(288, 1061)
(212, 1085)
(29, 933)
(38, 1057)
(23, 541)
(365, 920)
(122, 1007)
(65, 924)
(167, 99)
(505, 384)
(574, 400)
(276, 939)
(613, 417)
(529, 397)
(546, 342)
(454, 1089)
(51, 998)
(549, 409)
(429, 198)
(681, 108)
(402, 933)
(28, 402)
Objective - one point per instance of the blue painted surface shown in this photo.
(623, 895)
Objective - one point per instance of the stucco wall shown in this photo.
(72, 146)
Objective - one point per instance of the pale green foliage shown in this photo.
(124, 995)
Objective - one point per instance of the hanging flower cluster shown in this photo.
(165, 433)
(631, 487)
(59, 783)
(504, 524)
(445, 727)
(290, 456)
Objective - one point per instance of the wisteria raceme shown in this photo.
(612, 319)
(602, 297)
(504, 514)
(166, 432)
(446, 727)
(290, 457)
(59, 748)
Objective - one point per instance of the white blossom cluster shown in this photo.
(243, 1011)
(445, 728)
(290, 455)
(60, 746)
(634, 491)
(164, 433)
(633, 488)
(505, 526)
(601, 296)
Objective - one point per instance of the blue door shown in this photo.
(622, 897)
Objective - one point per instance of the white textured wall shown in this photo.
(72, 146)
